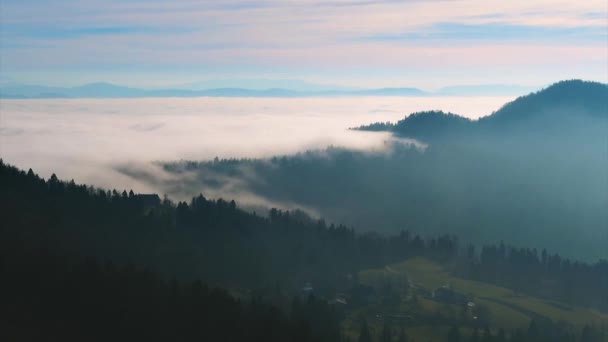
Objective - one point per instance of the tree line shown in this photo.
(49, 220)
(539, 274)
(46, 297)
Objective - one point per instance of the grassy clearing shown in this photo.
(506, 309)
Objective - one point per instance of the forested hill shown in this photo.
(50, 298)
(532, 172)
(213, 239)
(50, 226)
(217, 241)
(575, 97)
(565, 105)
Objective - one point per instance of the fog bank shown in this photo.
(87, 139)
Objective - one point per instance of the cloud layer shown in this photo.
(87, 139)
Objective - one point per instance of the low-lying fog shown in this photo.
(85, 139)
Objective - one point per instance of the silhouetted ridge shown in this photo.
(573, 96)
(432, 124)
(571, 106)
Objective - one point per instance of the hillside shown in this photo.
(576, 97)
(574, 106)
(269, 259)
(433, 125)
(411, 285)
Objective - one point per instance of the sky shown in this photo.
(358, 43)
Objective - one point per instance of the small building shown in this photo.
(446, 294)
(307, 288)
(339, 299)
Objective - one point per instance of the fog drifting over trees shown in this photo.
(86, 139)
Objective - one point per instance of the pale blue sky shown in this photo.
(364, 43)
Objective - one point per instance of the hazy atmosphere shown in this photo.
(304, 171)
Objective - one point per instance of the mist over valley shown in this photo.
(303, 171)
(86, 139)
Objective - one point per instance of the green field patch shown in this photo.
(506, 309)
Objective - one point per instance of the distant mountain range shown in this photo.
(485, 90)
(263, 84)
(561, 107)
(299, 89)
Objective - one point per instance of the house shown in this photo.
(340, 299)
(446, 294)
(307, 288)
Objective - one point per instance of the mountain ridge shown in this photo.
(110, 90)
(545, 109)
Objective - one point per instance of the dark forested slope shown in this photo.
(49, 225)
(532, 173)
(560, 110)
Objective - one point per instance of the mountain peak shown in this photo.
(431, 124)
(570, 95)
(572, 104)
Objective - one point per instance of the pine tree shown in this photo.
(475, 336)
(402, 336)
(501, 336)
(587, 334)
(387, 334)
(364, 335)
(487, 335)
(454, 334)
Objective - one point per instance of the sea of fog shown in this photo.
(86, 139)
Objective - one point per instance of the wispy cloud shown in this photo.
(293, 33)
(50, 33)
(498, 33)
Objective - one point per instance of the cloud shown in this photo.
(182, 185)
(265, 35)
(380, 110)
(147, 127)
(503, 33)
(11, 131)
(91, 139)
